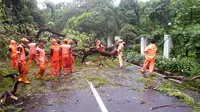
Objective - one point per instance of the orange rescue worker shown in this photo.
(22, 62)
(120, 47)
(41, 59)
(71, 58)
(100, 47)
(13, 54)
(150, 52)
(32, 52)
(54, 59)
(65, 50)
(60, 59)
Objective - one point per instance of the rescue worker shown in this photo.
(150, 52)
(12, 51)
(41, 59)
(32, 52)
(60, 59)
(22, 62)
(54, 58)
(71, 58)
(120, 46)
(100, 47)
(65, 51)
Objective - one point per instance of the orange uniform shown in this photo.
(32, 52)
(41, 60)
(22, 64)
(71, 58)
(100, 47)
(55, 60)
(60, 61)
(150, 52)
(65, 49)
(13, 54)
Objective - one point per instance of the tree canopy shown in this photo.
(104, 20)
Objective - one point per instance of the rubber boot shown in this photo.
(37, 74)
(71, 69)
(66, 71)
(20, 78)
(42, 76)
(25, 79)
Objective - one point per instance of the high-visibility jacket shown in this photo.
(102, 48)
(120, 48)
(66, 50)
(98, 43)
(41, 54)
(32, 47)
(21, 52)
(13, 52)
(150, 51)
(55, 55)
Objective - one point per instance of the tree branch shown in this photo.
(42, 29)
(173, 105)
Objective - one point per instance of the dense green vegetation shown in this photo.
(179, 66)
(87, 20)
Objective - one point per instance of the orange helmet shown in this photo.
(12, 42)
(70, 41)
(65, 41)
(53, 41)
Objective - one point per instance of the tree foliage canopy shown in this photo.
(103, 19)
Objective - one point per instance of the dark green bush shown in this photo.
(181, 66)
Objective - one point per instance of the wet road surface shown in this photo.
(119, 90)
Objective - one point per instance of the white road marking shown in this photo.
(98, 98)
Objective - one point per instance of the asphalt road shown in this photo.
(123, 93)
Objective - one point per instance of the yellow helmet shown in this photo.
(24, 40)
(53, 41)
(70, 41)
(12, 42)
(65, 40)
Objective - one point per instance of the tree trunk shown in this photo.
(109, 41)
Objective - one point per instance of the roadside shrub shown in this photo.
(134, 58)
(181, 66)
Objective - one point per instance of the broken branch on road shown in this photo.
(163, 106)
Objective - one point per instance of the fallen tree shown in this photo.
(46, 29)
(10, 93)
(109, 52)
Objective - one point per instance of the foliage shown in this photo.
(172, 90)
(134, 57)
(129, 34)
(181, 66)
(83, 40)
(74, 22)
